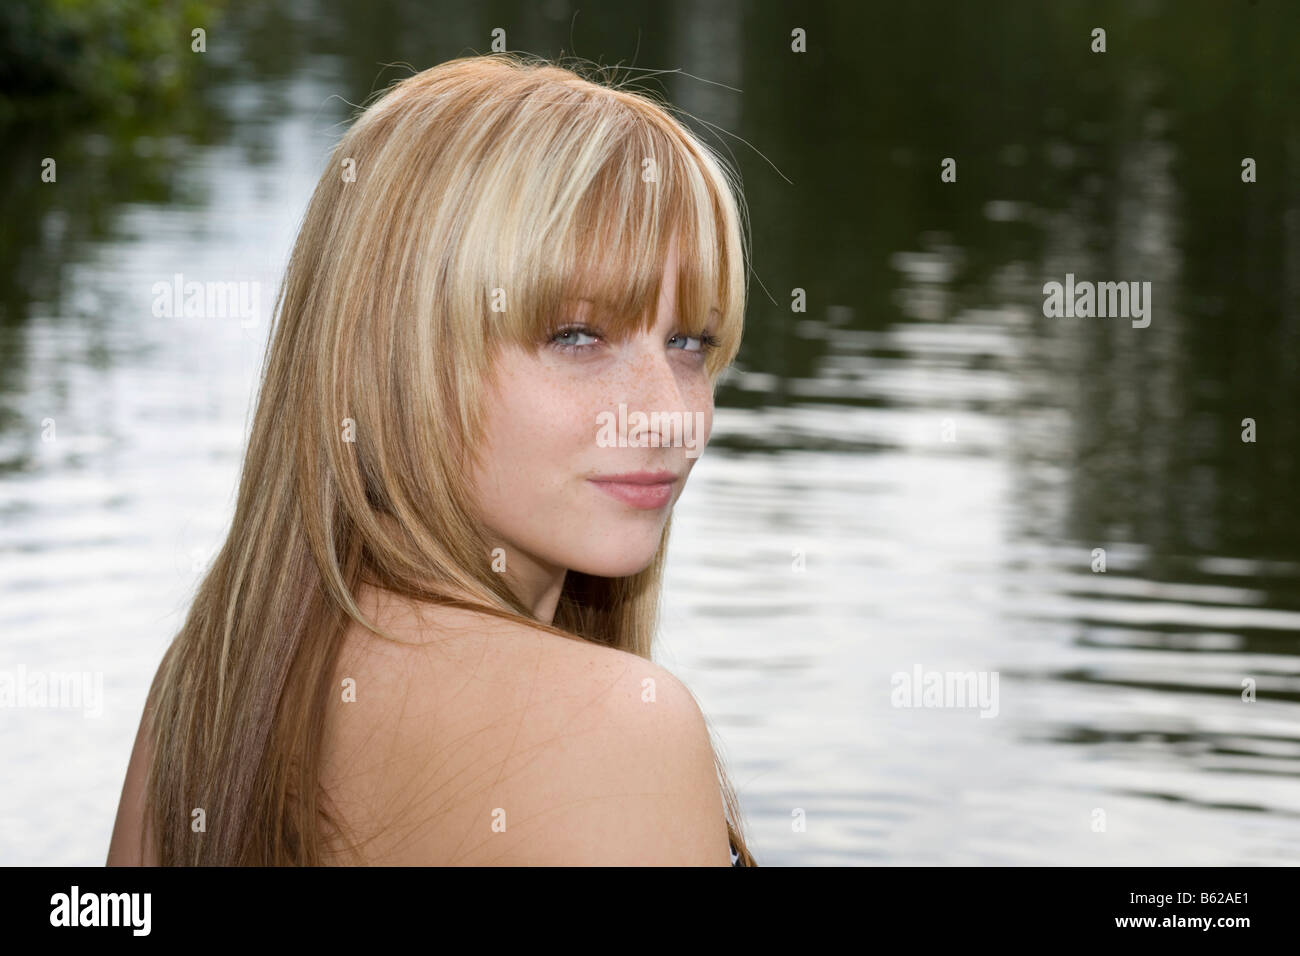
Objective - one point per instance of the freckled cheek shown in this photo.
(699, 398)
(556, 423)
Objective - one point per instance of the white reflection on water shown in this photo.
(911, 558)
(1116, 692)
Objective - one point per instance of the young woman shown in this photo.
(427, 638)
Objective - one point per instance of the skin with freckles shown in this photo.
(540, 448)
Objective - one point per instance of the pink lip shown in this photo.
(640, 489)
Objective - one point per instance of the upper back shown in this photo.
(487, 742)
(126, 847)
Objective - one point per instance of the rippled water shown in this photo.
(913, 474)
(1117, 691)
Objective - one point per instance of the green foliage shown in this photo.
(94, 56)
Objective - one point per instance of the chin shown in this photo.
(620, 562)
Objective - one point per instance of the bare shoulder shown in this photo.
(617, 770)
(516, 746)
(126, 848)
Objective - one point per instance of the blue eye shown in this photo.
(703, 342)
(570, 339)
(558, 340)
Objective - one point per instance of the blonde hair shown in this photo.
(485, 175)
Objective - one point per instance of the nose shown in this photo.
(654, 389)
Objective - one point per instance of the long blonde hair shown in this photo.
(499, 175)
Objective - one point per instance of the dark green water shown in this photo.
(940, 457)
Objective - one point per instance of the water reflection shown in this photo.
(917, 470)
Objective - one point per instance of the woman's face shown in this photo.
(566, 421)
